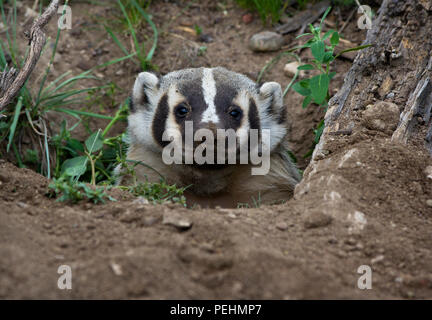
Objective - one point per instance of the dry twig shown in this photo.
(10, 82)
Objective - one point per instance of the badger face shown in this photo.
(216, 100)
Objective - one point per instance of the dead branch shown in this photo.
(10, 82)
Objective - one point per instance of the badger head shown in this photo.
(207, 98)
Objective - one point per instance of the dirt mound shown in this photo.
(124, 250)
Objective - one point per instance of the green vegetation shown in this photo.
(270, 11)
(80, 170)
(316, 88)
(132, 13)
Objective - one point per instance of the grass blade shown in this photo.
(14, 122)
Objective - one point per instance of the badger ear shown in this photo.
(145, 87)
(272, 101)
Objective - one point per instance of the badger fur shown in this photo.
(211, 98)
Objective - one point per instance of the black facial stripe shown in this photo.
(159, 120)
(223, 101)
(270, 104)
(192, 91)
(253, 115)
(282, 117)
(131, 105)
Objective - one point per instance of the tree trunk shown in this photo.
(379, 123)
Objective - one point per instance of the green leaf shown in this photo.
(318, 131)
(318, 50)
(334, 40)
(328, 57)
(304, 34)
(319, 87)
(353, 49)
(324, 16)
(327, 34)
(75, 145)
(306, 67)
(307, 100)
(331, 75)
(14, 122)
(301, 88)
(94, 143)
(75, 167)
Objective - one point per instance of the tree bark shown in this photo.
(386, 99)
(11, 82)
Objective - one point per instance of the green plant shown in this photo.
(76, 191)
(316, 89)
(158, 192)
(95, 158)
(143, 58)
(268, 10)
(27, 114)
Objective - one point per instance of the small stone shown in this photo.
(351, 241)
(290, 69)
(84, 65)
(429, 202)
(140, 200)
(390, 95)
(282, 226)
(381, 116)
(427, 171)
(4, 178)
(206, 38)
(317, 219)
(247, 18)
(377, 259)
(149, 221)
(116, 268)
(47, 225)
(120, 72)
(176, 220)
(266, 41)
(22, 205)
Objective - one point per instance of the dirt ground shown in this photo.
(292, 251)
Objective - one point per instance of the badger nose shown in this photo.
(212, 127)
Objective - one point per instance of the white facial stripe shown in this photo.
(209, 92)
(242, 100)
(174, 98)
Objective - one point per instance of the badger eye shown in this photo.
(181, 110)
(235, 112)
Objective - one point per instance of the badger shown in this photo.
(213, 99)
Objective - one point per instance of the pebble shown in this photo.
(377, 259)
(247, 18)
(290, 69)
(206, 38)
(429, 202)
(282, 226)
(116, 268)
(317, 219)
(140, 200)
(266, 41)
(427, 171)
(176, 220)
(22, 205)
(4, 178)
